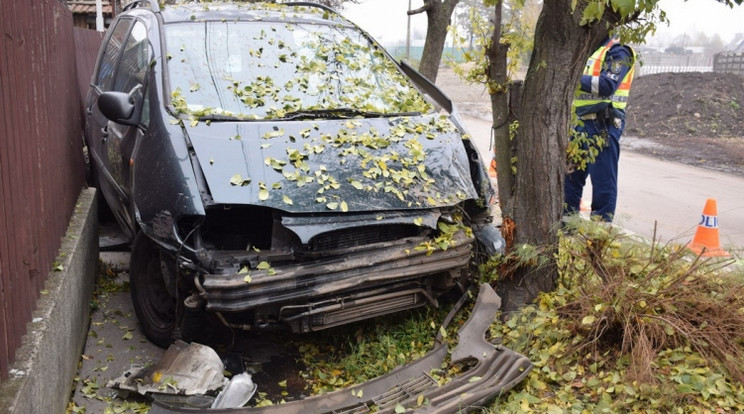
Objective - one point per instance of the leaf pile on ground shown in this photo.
(632, 327)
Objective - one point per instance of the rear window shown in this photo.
(263, 70)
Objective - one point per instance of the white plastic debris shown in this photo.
(236, 393)
(185, 369)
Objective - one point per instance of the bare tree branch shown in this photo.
(421, 9)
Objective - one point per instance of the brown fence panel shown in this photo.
(41, 164)
(87, 43)
(729, 62)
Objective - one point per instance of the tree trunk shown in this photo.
(438, 13)
(560, 52)
(499, 93)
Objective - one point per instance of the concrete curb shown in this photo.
(45, 364)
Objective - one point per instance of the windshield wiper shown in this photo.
(342, 113)
(337, 113)
(220, 117)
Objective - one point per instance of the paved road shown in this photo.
(670, 194)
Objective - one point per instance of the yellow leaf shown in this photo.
(344, 206)
(287, 200)
(263, 194)
(588, 320)
(237, 179)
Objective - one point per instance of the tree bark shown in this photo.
(560, 52)
(438, 13)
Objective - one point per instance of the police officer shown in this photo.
(600, 107)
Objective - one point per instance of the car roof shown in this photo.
(231, 11)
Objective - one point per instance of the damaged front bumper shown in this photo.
(323, 293)
(496, 370)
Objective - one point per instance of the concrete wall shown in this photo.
(40, 380)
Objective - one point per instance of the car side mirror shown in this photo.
(119, 107)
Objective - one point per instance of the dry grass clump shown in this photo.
(647, 298)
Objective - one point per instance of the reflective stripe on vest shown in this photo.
(593, 68)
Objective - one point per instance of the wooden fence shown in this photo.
(41, 161)
(729, 62)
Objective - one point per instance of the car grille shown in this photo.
(352, 239)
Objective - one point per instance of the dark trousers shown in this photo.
(603, 172)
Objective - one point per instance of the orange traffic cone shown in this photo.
(492, 168)
(705, 242)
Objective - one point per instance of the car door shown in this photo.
(97, 125)
(123, 68)
(130, 77)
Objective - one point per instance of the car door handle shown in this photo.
(104, 134)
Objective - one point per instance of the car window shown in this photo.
(264, 70)
(110, 54)
(134, 61)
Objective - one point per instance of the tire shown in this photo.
(154, 305)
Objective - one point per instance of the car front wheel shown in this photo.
(154, 305)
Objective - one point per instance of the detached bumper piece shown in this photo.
(496, 370)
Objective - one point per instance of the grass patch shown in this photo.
(361, 352)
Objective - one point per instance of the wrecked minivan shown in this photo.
(273, 166)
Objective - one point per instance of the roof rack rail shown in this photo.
(307, 3)
(142, 3)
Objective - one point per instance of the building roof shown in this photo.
(88, 6)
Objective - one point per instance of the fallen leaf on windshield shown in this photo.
(237, 179)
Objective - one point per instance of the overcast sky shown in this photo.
(385, 20)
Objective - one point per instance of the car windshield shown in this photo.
(271, 70)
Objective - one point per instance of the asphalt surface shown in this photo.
(665, 194)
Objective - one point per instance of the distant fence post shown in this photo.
(729, 63)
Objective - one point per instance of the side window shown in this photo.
(134, 61)
(132, 69)
(110, 54)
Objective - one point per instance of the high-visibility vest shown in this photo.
(594, 68)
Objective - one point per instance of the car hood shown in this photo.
(345, 165)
